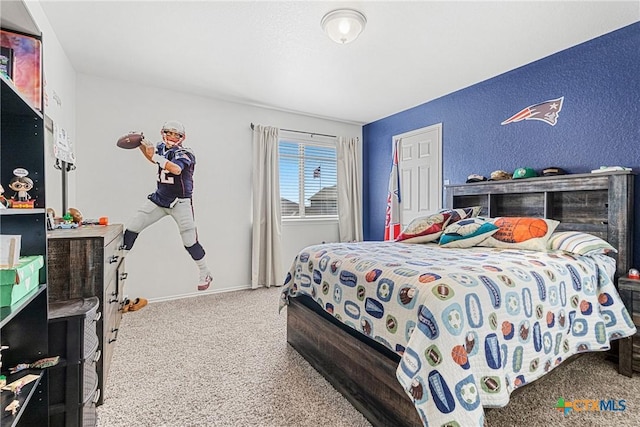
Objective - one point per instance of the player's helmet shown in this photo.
(173, 126)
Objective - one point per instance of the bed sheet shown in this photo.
(471, 325)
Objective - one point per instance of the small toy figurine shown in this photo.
(13, 407)
(67, 222)
(21, 185)
(51, 219)
(4, 203)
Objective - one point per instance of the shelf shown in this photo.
(13, 102)
(6, 397)
(10, 211)
(8, 313)
(22, 134)
(62, 363)
(16, 17)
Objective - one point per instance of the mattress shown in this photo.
(471, 325)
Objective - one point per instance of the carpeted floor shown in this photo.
(223, 360)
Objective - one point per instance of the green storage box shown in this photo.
(18, 281)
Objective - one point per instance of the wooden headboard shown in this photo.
(597, 203)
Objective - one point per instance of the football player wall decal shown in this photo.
(176, 165)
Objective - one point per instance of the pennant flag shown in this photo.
(316, 172)
(545, 111)
(392, 220)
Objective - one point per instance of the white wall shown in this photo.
(60, 103)
(113, 182)
(299, 234)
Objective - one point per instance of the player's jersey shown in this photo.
(172, 186)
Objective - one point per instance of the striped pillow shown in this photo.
(579, 243)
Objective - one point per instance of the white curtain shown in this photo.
(349, 191)
(266, 250)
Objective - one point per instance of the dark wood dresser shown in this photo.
(73, 383)
(86, 262)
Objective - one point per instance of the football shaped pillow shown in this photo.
(130, 140)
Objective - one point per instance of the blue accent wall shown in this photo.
(599, 123)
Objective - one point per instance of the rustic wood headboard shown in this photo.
(597, 203)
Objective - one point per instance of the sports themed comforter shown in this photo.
(471, 324)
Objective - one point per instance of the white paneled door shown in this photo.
(420, 165)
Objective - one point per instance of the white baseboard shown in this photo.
(200, 293)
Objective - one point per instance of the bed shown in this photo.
(417, 334)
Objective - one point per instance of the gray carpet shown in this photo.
(223, 360)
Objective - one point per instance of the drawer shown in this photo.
(91, 341)
(89, 380)
(89, 413)
(112, 257)
(112, 299)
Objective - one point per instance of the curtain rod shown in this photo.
(299, 131)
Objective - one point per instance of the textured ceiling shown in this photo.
(275, 54)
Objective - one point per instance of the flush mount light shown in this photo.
(343, 25)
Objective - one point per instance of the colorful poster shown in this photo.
(26, 65)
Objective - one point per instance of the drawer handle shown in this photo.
(113, 258)
(97, 356)
(96, 397)
(113, 300)
(98, 316)
(115, 337)
(123, 276)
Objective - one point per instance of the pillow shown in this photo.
(461, 213)
(425, 228)
(579, 243)
(467, 233)
(521, 233)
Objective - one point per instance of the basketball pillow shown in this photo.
(521, 233)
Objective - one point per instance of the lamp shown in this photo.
(343, 25)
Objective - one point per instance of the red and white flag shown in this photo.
(392, 227)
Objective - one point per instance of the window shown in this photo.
(308, 178)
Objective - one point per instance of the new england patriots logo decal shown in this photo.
(547, 112)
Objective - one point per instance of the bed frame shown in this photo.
(364, 370)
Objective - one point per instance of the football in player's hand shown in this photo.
(130, 140)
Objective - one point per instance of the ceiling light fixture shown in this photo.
(343, 25)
